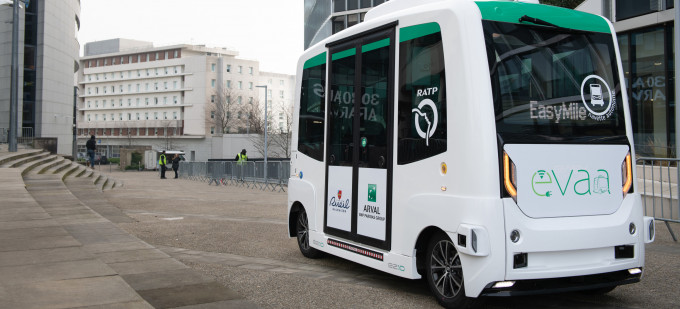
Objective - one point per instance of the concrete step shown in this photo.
(7, 157)
(42, 169)
(25, 161)
(38, 163)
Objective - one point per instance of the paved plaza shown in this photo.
(114, 239)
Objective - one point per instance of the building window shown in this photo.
(228, 68)
(240, 69)
(146, 101)
(212, 67)
(281, 94)
(212, 130)
(240, 85)
(250, 85)
(212, 115)
(212, 83)
(174, 115)
(250, 70)
(212, 99)
(174, 99)
(155, 115)
(165, 115)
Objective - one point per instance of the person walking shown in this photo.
(175, 163)
(162, 161)
(91, 146)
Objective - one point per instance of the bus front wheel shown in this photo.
(445, 273)
(302, 229)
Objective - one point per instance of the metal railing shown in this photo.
(248, 174)
(658, 185)
(26, 137)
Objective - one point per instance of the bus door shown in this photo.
(359, 142)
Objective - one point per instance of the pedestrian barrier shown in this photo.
(658, 182)
(250, 174)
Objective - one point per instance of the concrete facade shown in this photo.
(48, 58)
(164, 97)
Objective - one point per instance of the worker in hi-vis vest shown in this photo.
(162, 161)
(241, 158)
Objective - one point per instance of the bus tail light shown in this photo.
(627, 174)
(510, 176)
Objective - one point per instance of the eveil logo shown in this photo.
(567, 182)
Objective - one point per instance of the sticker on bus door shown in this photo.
(372, 205)
(339, 203)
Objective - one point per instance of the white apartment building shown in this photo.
(280, 95)
(132, 93)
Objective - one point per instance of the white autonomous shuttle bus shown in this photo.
(463, 141)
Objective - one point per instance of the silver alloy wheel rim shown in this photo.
(446, 270)
(302, 234)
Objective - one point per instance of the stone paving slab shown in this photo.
(58, 251)
(74, 293)
(146, 266)
(33, 232)
(188, 295)
(165, 279)
(37, 243)
(28, 257)
(55, 271)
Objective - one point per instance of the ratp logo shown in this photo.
(421, 111)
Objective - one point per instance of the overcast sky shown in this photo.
(270, 31)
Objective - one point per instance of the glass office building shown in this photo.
(326, 17)
(645, 33)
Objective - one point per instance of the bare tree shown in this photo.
(169, 139)
(223, 108)
(282, 138)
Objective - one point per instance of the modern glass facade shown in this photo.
(647, 59)
(326, 17)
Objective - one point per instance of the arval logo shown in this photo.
(431, 124)
(565, 182)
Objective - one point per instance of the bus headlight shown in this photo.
(510, 176)
(627, 174)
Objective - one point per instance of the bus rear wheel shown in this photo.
(302, 229)
(445, 273)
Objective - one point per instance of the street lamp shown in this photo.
(265, 132)
(14, 83)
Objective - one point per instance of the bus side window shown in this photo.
(422, 95)
(312, 108)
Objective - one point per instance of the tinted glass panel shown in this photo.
(630, 8)
(312, 109)
(338, 5)
(352, 4)
(373, 111)
(648, 92)
(552, 85)
(422, 99)
(341, 109)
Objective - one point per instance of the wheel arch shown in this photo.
(292, 217)
(421, 246)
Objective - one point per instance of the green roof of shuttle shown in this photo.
(510, 12)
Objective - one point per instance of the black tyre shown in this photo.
(445, 273)
(302, 228)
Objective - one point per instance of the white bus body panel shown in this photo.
(467, 196)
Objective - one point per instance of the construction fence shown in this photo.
(249, 174)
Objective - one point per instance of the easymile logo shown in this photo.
(602, 103)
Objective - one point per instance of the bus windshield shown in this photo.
(553, 84)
